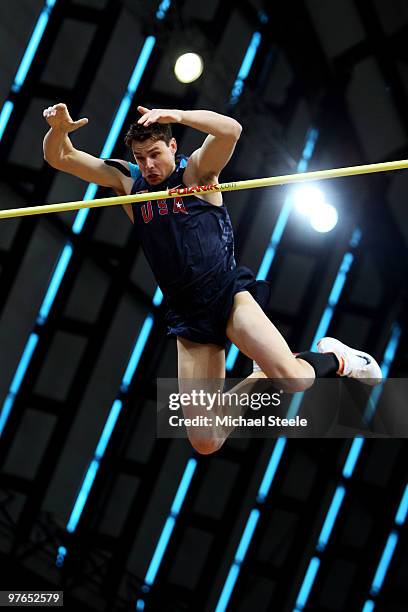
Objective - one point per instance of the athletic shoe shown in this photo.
(354, 364)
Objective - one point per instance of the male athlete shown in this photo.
(189, 246)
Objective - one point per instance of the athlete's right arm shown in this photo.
(60, 153)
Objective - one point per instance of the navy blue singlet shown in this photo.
(189, 245)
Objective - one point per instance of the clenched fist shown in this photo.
(57, 116)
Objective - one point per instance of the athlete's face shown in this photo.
(155, 159)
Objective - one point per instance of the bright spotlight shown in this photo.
(188, 67)
(308, 198)
(324, 218)
(310, 202)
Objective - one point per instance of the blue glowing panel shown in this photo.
(5, 116)
(231, 357)
(403, 508)
(32, 46)
(331, 518)
(138, 350)
(340, 279)
(391, 349)
(83, 213)
(162, 10)
(116, 127)
(323, 326)
(239, 557)
(5, 412)
(24, 363)
(183, 487)
(170, 522)
(247, 535)
(307, 584)
(55, 283)
(279, 228)
(141, 64)
(295, 405)
(108, 429)
(266, 263)
(271, 469)
(352, 457)
(249, 56)
(245, 68)
(160, 550)
(228, 588)
(385, 368)
(158, 297)
(83, 496)
(368, 606)
(384, 562)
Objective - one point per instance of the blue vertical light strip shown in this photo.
(279, 447)
(162, 10)
(117, 123)
(352, 457)
(385, 368)
(349, 465)
(263, 271)
(81, 216)
(62, 551)
(356, 445)
(26, 62)
(147, 325)
(384, 563)
(328, 312)
(157, 299)
(238, 559)
(389, 549)
(307, 584)
(140, 344)
(55, 283)
(167, 529)
(17, 380)
(245, 68)
(402, 511)
(333, 298)
(271, 469)
(94, 466)
(5, 115)
(331, 518)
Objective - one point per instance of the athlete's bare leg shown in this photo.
(202, 367)
(256, 336)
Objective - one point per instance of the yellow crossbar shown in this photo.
(188, 191)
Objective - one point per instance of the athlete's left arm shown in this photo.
(206, 163)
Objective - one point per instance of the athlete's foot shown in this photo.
(353, 363)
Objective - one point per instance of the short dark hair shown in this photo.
(155, 131)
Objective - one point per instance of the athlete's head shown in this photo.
(154, 149)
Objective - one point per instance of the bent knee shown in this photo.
(296, 385)
(206, 446)
(289, 379)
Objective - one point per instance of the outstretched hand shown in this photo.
(59, 117)
(158, 115)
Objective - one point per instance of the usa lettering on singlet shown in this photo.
(188, 242)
